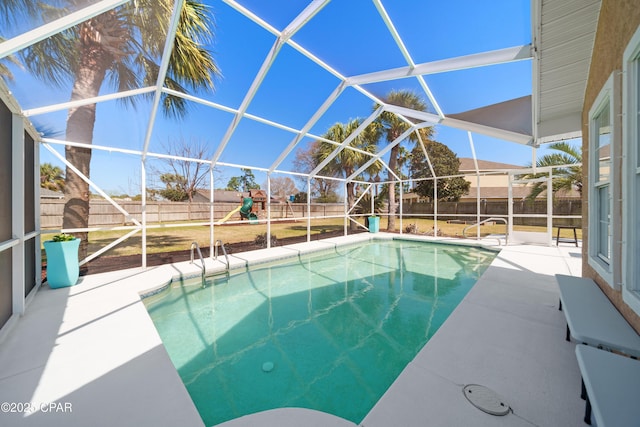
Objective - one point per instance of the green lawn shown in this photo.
(180, 238)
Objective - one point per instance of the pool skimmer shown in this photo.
(485, 399)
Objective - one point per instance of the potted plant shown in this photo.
(63, 268)
(374, 224)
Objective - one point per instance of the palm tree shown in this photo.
(122, 47)
(347, 161)
(564, 178)
(393, 127)
(51, 177)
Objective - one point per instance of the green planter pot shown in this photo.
(63, 268)
(374, 224)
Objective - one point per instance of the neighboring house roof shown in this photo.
(203, 195)
(45, 193)
(467, 165)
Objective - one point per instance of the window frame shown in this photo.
(603, 265)
(631, 173)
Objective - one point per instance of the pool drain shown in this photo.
(485, 399)
(267, 367)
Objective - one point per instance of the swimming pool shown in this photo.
(328, 330)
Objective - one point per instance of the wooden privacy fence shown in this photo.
(103, 213)
(466, 211)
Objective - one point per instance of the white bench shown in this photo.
(611, 384)
(592, 319)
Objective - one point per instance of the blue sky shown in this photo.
(350, 36)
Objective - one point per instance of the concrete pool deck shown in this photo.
(90, 355)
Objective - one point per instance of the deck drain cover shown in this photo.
(485, 399)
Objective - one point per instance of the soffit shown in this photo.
(564, 36)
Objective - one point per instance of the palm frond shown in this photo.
(569, 150)
(567, 178)
(4, 68)
(14, 11)
(53, 59)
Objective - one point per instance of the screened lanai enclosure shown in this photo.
(142, 126)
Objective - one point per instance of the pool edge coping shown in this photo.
(187, 270)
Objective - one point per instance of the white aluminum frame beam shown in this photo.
(282, 38)
(494, 57)
(257, 81)
(260, 119)
(488, 130)
(18, 274)
(113, 244)
(536, 33)
(127, 215)
(307, 127)
(47, 30)
(262, 23)
(303, 18)
(405, 52)
(246, 115)
(408, 112)
(348, 140)
(86, 101)
(426, 155)
(478, 185)
(386, 149)
(162, 73)
(295, 25)
(364, 192)
(174, 157)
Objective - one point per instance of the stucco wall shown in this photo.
(617, 23)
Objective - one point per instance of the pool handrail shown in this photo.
(197, 247)
(224, 251)
(506, 233)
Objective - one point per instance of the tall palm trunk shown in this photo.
(393, 165)
(92, 67)
(351, 200)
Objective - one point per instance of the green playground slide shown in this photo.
(245, 210)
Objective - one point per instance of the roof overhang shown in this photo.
(563, 37)
(509, 120)
(563, 33)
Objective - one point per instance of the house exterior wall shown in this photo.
(489, 180)
(617, 23)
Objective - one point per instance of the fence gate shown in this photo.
(524, 224)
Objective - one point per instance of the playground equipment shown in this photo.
(245, 210)
(230, 214)
(248, 207)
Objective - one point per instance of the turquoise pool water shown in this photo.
(328, 331)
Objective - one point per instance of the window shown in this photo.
(602, 158)
(601, 185)
(631, 175)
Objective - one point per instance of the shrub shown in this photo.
(63, 237)
(261, 240)
(411, 228)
